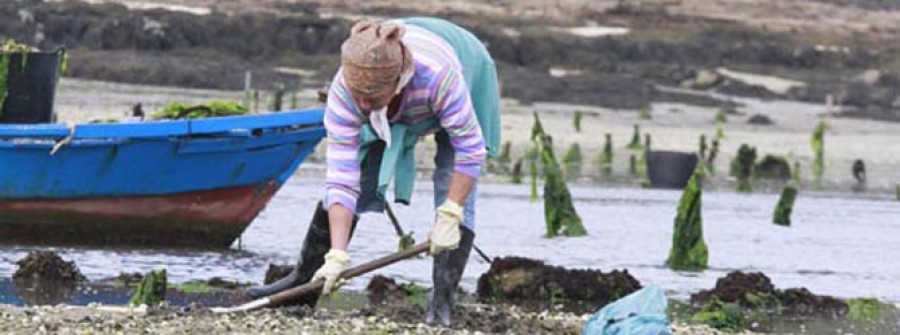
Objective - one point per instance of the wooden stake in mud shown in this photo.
(291, 294)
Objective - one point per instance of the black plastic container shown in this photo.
(670, 169)
(30, 91)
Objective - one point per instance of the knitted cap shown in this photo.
(375, 61)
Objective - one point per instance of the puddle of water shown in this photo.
(836, 246)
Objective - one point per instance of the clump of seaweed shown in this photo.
(689, 251)
(180, 110)
(152, 289)
(782, 215)
(572, 161)
(606, 159)
(742, 167)
(817, 142)
(559, 211)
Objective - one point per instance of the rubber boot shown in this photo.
(312, 256)
(447, 271)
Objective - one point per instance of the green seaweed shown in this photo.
(559, 211)
(689, 251)
(152, 289)
(503, 159)
(722, 316)
(532, 157)
(635, 143)
(817, 142)
(194, 287)
(576, 121)
(516, 175)
(703, 147)
(720, 134)
(711, 159)
(645, 113)
(277, 98)
(864, 309)
(4, 68)
(721, 116)
(742, 167)
(632, 165)
(782, 215)
(572, 161)
(795, 173)
(64, 62)
(606, 159)
(179, 110)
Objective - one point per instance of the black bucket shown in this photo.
(30, 91)
(670, 169)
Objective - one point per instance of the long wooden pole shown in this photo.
(312, 287)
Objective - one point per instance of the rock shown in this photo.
(734, 287)
(773, 167)
(760, 120)
(755, 290)
(706, 79)
(383, 290)
(527, 281)
(47, 266)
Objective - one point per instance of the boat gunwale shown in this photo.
(311, 117)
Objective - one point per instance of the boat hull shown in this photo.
(192, 183)
(202, 219)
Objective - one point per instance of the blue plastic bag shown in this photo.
(640, 313)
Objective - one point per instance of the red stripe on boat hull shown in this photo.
(201, 219)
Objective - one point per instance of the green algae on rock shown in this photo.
(817, 142)
(635, 143)
(576, 121)
(742, 167)
(606, 159)
(572, 161)
(151, 291)
(689, 251)
(785, 206)
(559, 210)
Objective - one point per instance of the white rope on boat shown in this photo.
(70, 125)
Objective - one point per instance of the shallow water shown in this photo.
(836, 246)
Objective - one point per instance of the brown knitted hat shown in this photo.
(375, 61)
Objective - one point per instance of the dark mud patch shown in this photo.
(754, 290)
(47, 266)
(531, 283)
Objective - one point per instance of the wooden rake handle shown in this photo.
(314, 286)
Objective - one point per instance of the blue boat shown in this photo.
(185, 183)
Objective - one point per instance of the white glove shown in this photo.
(445, 233)
(335, 262)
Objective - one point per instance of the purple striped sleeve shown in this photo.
(453, 107)
(343, 123)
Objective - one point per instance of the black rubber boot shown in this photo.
(447, 271)
(312, 256)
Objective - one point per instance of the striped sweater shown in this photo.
(437, 90)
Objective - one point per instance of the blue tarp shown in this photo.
(640, 313)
